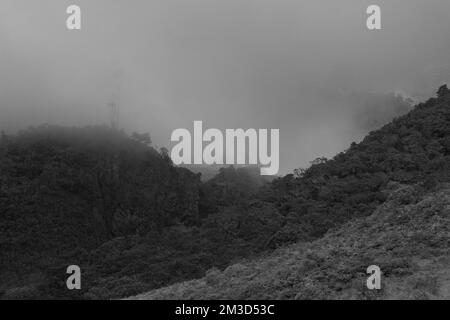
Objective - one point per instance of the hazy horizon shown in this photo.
(292, 65)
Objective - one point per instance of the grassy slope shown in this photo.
(408, 237)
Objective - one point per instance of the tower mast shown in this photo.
(114, 103)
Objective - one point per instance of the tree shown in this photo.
(299, 173)
(142, 138)
(164, 152)
(318, 161)
(443, 91)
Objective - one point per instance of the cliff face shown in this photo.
(408, 237)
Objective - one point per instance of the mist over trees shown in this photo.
(376, 110)
(133, 221)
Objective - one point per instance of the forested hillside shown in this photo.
(408, 237)
(65, 192)
(133, 222)
(391, 193)
(116, 207)
(414, 148)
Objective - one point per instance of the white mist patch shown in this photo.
(236, 146)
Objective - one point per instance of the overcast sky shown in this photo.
(286, 64)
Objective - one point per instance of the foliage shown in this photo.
(133, 221)
(408, 239)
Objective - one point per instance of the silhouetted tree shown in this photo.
(443, 91)
(142, 138)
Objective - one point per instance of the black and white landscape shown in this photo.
(95, 205)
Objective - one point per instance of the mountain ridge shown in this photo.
(134, 222)
(414, 150)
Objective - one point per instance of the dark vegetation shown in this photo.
(134, 222)
(408, 237)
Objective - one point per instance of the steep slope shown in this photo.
(408, 237)
(412, 148)
(302, 207)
